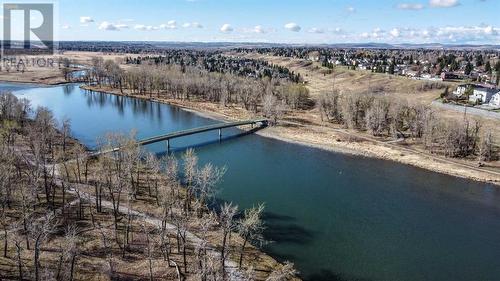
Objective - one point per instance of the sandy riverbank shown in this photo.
(333, 138)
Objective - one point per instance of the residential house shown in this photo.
(449, 76)
(482, 93)
(495, 100)
(462, 89)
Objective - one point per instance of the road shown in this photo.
(470, 110)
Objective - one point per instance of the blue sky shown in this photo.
(292, 21)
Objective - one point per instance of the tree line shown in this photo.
(192, 83)
(385, 117)
(217, 62)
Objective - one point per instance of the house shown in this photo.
(449, 76)
(495, 100)
(462, 89)
(482, 93)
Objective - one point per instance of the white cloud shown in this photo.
(108, 26)
(226, 28)
(143, 27)
(171, 24)
(293, 27)
(482, 34)
(338, 30)
(351, 9)
(121, 26)
(444, 3)
(316, 30)
(196, 25)
(86, 20)
(259, 29)
(489, 30)
(410, 6)
(192, 24)
(395, 32)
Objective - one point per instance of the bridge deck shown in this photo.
(199, 130)
(188, 132)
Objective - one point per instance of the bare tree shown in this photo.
(486, 149)
(251, 227)
(40, 229)
(149, 249)
(284, 272)
(190, 160)
(272, 108)
(329, 107)
(68, 254)
(378, 118)
(206, 180)
(227, 224)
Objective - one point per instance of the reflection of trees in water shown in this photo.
(68, 89)
(138, 107)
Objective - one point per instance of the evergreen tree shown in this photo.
(391, 67)
(468, 68)
(479, 60)
(487, 67)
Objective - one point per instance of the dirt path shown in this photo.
(191, 237)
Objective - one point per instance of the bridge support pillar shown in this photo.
(168, 145)
(220, 134)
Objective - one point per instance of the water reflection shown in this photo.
(68, 89)
(139, 107)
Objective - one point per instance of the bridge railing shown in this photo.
(169, 136)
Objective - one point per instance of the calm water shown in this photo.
(337, 217)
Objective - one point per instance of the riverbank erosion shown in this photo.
(306, 128)
(68, 216)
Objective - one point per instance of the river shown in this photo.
(336, 216)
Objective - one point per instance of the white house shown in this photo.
(482, 94)
(461, 89)
(495, 100)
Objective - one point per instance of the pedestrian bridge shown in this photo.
(169, 136)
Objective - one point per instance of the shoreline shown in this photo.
(379, 150)
(326, 141)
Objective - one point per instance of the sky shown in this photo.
(280, 21)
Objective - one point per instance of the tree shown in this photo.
(392, 66)
(206, 180)
(227, 225)
(497, 71)
(468, 68)
(251, 227)
(284, 272)
(487, 67)
(486, 149)
(149, 249)
(329, 106)
(272, 108)
(68, 255)
(39, 231)
(190, 169)
(479, 60)
(378, 117)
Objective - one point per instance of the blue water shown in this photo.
(337, 217)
